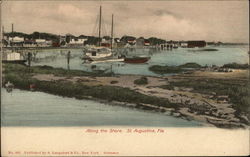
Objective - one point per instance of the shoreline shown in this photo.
(140, 107)
(178, 102)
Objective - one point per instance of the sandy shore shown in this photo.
(218, 113)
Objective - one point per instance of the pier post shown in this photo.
(1, 46)
(29, 58)
(249, 65)
(68, 58)
(111, 69)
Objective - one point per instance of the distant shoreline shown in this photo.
(81, 47)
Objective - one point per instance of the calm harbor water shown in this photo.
(224, 55)
(26, 108)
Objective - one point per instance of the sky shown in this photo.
(210, 20)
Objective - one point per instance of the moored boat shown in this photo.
(97, 53)
(136, 59)
(100, 53)
(12, 57)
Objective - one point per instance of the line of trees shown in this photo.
(92, 40)
(34, 35)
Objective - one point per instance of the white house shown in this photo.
(48, 42)
(40, 40)
(184, 44)
(17, 39)
(77, 41)
(41, 43)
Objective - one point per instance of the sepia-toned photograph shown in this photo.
(124, 68)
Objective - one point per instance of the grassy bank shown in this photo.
(237, 90)
(22, 69)
(21, 77)
(173, 69)
(141, 81)
(184, 67)
(236, 66)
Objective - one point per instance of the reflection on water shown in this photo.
(225, 54)
(25, 108)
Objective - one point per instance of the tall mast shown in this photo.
(12, 34)
(1, 45)
(2, 37)
(112, 29)
(100, 25)
(12, 31)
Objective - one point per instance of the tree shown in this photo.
(127, 38)
(155, 41)
(106, 37)
(63, 43)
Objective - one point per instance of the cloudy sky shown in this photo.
(210, 20)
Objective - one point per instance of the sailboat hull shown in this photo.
(136, 60)
(14, 61)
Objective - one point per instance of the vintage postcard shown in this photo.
(125, 77)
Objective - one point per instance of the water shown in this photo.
(224, 55)
(26, 108)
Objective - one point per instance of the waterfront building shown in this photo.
(131, 42)
(183, 44)
(106, 42)
(116, 42)
(73, 41)
(146, 42)
(55, 43)
(41, 43)
(76, 42)
(29, 43)
(62, 39)
(48, 42)
(17, 39)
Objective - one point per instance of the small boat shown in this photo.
(14, 61)
(108, 60)
(175, 46)
(97, 53)
(9, 87)
(13, 57)
(136, 59)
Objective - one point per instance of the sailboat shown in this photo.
(99, 53)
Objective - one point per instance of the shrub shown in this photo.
(165, 69)
(190, 65)
(236, 66)
(141, 81)
(113, 82)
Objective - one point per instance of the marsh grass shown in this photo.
(173, 69)
(141, 81)
(237, 90)
(49, 70)
(184, 67)
(236, 66)
(22, 79)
